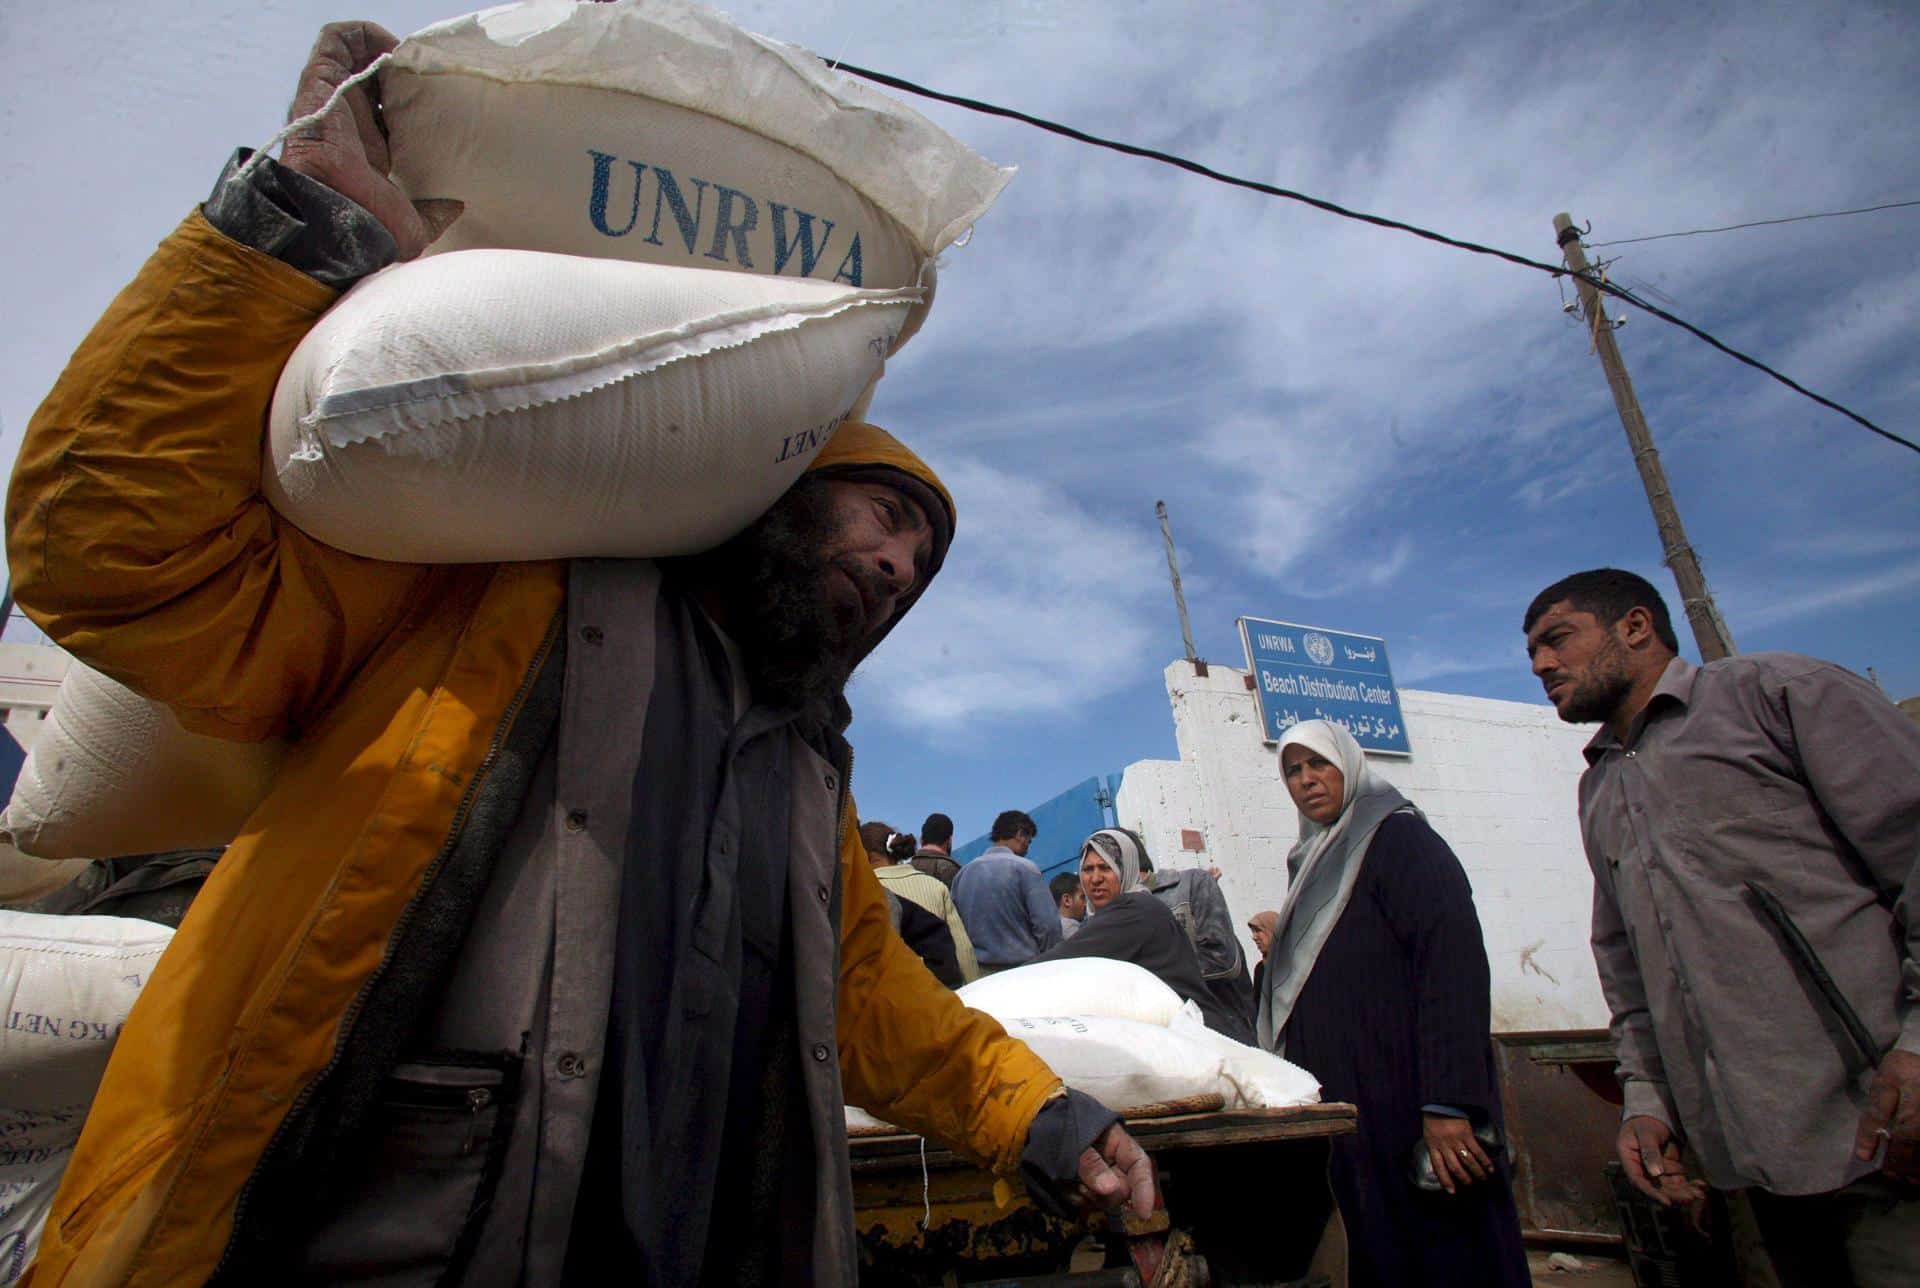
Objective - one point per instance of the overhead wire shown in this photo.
(1380, 221)
(1757, 223)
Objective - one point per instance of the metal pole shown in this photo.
(1709, 631)
(1179, 596)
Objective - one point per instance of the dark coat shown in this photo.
(937, 865)
(1138, 928)
(929, 938)
(1396, 1016)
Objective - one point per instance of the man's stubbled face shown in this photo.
(810, 581)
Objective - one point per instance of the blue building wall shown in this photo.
(1064, 822)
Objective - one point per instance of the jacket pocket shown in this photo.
(412, 1207)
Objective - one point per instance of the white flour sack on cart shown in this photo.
(66, 984)
(1076, 986)
(1121, 1063)
(507, 405)
(1129, 1065)
(657, 131)
(113, 773)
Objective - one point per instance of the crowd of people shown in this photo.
(1373, 978)
(1752, 827)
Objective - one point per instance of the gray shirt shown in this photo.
(1801, 776)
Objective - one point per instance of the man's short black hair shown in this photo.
(1062, 885)
(1609, 594)
(937, 830)
(1012, 823)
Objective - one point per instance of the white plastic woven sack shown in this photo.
(1121, 1063)
(504, 405)
(656, 130)
(1077, 986)
(113, 773)
(66, 984)
(1250, 1078)
(1129, 1065)
(863, 1123)
(34, 1148)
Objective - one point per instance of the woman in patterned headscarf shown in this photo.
(1377, 984)
(1126, 923)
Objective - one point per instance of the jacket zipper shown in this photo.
(398, 933)
(435, 1088)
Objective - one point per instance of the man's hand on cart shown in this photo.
(1079, 1155)
(1116, 1172)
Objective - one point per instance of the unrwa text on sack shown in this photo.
(736, 215)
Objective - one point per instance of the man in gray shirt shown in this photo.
(1003, 899)
(1753, 826)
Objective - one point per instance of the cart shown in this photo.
(1245, 1193)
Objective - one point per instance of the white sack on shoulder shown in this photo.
(656, 130)
(66, 985)
(112, 773)
(1077, 986)
(510, 405)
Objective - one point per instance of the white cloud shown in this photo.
(1755, 608)
(1422, 663)
(1852, 544)
(1041, 607)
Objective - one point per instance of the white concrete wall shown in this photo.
(1496, 779)
(1156, 799)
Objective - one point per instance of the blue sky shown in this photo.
(1351, 428)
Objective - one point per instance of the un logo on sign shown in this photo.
(1319, 648)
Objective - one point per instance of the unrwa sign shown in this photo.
(1310, 673)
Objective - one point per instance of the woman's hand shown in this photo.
(1458, 1158)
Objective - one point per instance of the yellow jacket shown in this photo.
(139, 541)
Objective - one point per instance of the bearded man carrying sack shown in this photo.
(554, 948)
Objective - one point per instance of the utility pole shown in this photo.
(1709, 631)
(1179, 596)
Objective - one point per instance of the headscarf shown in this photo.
(1267, 921)
(1322, 869)
(1122, 851)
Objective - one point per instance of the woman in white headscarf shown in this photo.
(1377, 983)
(1125, 922)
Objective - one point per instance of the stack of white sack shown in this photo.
(1116, 1032)
(685, 255)
(778, 223)
(66, 984)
